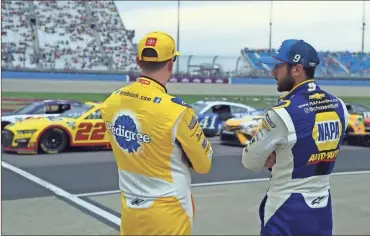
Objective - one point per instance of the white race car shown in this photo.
(213, 114)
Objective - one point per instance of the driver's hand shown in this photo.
(271, 160)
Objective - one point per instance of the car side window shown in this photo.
(64, 107)
(236, 109)
(221, 109)
(52, 109)
(224, 112)
(209, 111)
(40, 110)
(94, 116)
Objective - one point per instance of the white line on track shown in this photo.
(60, 192)
(242, 181)
(106, 215)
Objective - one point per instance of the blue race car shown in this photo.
(213, 114)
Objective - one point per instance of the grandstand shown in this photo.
(90, 36)
(66, 36)
(332, 64)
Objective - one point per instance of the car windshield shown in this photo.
(362, 108)
(29, 109)
(198, 107)
(257, 112)
(356, 108)
(77, 111)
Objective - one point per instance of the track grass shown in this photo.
(254, 101)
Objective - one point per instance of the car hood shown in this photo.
(15, 117)
(38, 123)
(9, 113)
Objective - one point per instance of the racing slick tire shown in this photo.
(3, 124)
(209, 132)
(350, 140)
(53, 141)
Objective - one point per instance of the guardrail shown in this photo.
(106, 83)
(183, 79)
(136, 73)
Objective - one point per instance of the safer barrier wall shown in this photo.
(106, 83)
(63, 76)
(329, 82)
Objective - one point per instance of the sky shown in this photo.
(225, 27)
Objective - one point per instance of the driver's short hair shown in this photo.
(309, 72)
(151, 66)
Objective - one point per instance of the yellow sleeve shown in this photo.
(196, 147)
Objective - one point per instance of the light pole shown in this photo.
(363, 26)
(178, 36)
(270, 36)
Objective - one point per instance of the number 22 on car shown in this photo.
(90, 131)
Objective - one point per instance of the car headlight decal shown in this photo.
(26, 131)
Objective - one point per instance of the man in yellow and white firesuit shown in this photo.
(155, 139)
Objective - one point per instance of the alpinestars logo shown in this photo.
(126, 133)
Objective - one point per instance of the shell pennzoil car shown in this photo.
(80, 126)
(238, 131)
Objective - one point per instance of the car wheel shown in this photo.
(349, 140)
(53, 141)
(3, 124)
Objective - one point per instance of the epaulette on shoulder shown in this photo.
(282, 104)
(179, 101)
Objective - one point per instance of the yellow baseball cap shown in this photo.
(162, 43)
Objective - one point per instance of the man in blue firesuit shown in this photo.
(299, 140)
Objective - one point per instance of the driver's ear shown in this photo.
(137, 61)
(170, 66)
(296, 70)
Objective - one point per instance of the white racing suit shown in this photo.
(305, 130)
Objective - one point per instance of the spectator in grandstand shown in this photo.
(155, 138)
(300, 140)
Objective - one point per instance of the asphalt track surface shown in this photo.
(80, 172)
(54, 194)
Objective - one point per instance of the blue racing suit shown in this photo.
(305, 130)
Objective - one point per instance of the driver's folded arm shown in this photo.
(272, 133)
(197, 150)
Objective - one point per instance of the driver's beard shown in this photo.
(286, 84)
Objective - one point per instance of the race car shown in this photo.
(80, 126)
(356, 108)
(238, 131)
(40, 108)
(358, 130)
(213, 114)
